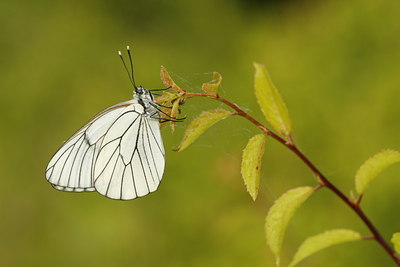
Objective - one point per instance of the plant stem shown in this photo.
(322, 179)
(353, 205)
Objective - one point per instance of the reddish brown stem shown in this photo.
(322, 179)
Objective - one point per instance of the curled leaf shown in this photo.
(200, 125)
(168, 82)
(280, 214)
(169, 104)
(396, 242)
(326, 239)
(174, 114)
(212, 87)
(251, 163)
(271, 102)
(373, 166)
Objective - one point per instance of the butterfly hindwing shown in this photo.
(131, 160)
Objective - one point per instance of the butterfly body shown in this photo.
(119, 153)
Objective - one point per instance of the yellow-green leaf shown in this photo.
(280, 214)
(373, 166)
(251, 163)
(212, 87)
(200, 125)
(396, 241)
(168, 82)
(271, 102)
(326, 239)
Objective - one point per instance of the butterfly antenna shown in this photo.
(130, 61)
(127, 71)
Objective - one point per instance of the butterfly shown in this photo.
(119, 153)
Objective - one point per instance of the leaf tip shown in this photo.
(257, 65)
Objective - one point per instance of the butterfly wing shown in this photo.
(131, 159)
(71, 167)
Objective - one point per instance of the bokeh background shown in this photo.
(336, 63)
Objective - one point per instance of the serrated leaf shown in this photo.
(251, 164)
(396, 242)
(271, 102)
(280, 214)
(168, 82)
(373, 166)
(326, 239)
(200, 125)
(212, 87)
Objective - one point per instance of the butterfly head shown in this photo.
(145, 98)
(142, 93)
(140, 90)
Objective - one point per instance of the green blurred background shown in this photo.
(336, 64)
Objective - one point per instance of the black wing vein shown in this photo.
(151, 151)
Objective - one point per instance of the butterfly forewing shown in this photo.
(119, 153)
(71, 167)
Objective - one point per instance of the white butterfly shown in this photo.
(119, 153)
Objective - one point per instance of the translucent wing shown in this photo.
(71, 167)
(131, 160)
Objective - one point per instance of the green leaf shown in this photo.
(280, 214)
(251, 163)
(326, 239)
(396, 241)
(373, 166)
(200, 125)
(271, 102)
(212, 87)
